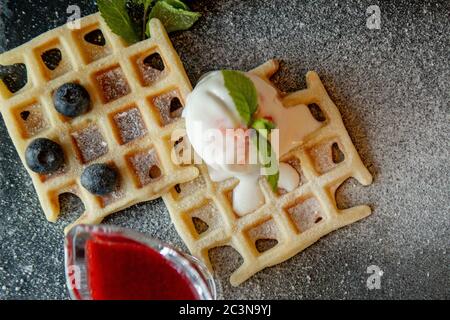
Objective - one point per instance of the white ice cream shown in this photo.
(210, 111)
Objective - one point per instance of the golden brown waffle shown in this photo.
(133, 113)
(289, 222)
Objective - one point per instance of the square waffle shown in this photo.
(287, 223)
(137, 93)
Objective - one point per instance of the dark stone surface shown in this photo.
(392, 87)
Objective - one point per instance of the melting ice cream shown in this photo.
(221, 138)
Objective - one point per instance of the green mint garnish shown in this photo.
(118, 20)
(243, 92)
(266, 154)
(173, 15)
(263, 126)
(273, 179)
(178, 4)
(130, 18)
(267, 157)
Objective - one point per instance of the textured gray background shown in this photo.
(392, 87)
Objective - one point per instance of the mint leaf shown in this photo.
(271, 163)
(245, 97)
(267, 155)
(243, 92)
(263, 126)
(263, 123)
(118, 20)
(267, 158)
(173, 18)
(178, 4)
(273, 180)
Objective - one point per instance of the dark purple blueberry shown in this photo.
(99, 179)
(71, 100)
(44, 156)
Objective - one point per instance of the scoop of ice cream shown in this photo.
(221, 138)
(215, 129)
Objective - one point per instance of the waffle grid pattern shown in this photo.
(296, 219)
(99, 69)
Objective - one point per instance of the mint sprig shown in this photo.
(245, 97)
(130, 19)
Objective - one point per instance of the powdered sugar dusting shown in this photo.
(130, 125)
(143, 164)
(113, 84)
(149, 74)
(90, 142)
(70, 204)
(266, 230)
(322, 157)
(306, 214)
(209, 214)
(32, 120)
(163, 104)
(188, 188)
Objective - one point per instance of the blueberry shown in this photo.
(99, 179)
(44, 156)
(71, 100)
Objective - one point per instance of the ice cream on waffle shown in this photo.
(233, 204)
(219, 135)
